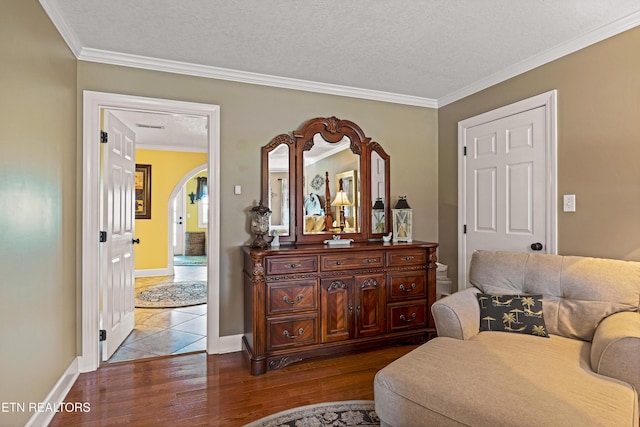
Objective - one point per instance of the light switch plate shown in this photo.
(237, 189)
(569, 203)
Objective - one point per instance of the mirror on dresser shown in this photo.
(380, 195)
(327, 176)
(277, 186)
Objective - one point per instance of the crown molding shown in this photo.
(143, 62)
(156, 64)
(571, 46)
(68, 35)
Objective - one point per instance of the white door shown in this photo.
(178, 219)
(117, 277)
(509, 185)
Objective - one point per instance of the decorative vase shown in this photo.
(260, 225)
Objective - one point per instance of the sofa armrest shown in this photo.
(615, 348)
(457, 315)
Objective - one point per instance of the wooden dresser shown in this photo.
(309, 300)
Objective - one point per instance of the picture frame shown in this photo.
(143, 191)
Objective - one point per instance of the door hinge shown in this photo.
(103, 236)
(464, 152)
(104, 137)
(103, 335)
(464, 229)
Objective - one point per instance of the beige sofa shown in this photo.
(585, 373)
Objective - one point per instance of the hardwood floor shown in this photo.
(216, 390)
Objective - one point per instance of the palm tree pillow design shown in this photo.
(512, 313)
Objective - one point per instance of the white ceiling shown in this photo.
(416, 52)
(161, 131)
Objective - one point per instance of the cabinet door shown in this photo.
(370, 305)
(337, 309)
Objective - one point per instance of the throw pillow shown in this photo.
(512, 313)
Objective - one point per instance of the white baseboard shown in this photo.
(153, 272)
(55, 397)
(230, 344)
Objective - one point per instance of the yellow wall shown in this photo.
(167, 169)
(39, 199)
(192, 209)
(598, 147)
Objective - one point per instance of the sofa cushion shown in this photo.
(512, 313)
(482, 381)
(578, 291)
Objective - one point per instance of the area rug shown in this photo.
(171, 295)
(345, 413)
(182, 260)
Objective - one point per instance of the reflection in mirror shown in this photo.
(279, 190)
(378, 221)
(324, 162)
(348, 195)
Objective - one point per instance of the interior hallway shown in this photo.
(165, 331)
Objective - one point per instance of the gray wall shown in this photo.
(38, 200)
(251, 116)
(598, 147)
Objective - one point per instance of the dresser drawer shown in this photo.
(292, 296)
(352, 260)
(405, 286)
(406, 257)
(289, 265)
(407, 316)
(292, 332)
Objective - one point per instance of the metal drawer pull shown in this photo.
(298, 299)
(369, 260)
(293, 337)
(338, 262)
(404, 319)
(402, 288)
(407, 258)
(294, 265)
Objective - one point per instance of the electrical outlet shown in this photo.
(569, 203)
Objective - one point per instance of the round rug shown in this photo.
(171, 295)
(345, 413)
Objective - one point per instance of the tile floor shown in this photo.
(165, 331)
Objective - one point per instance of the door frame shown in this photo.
(174, 193)
(93, 102)
(548, 100)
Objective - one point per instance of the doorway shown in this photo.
(93, 102)
(507, 180)
(170, 309)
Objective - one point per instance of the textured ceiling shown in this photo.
(426, 52)
(166, 131)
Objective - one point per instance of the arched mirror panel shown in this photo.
(335, 176)
(277, 188)
(380, 198)
(330, 188)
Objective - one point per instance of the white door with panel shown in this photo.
(178, 221)
(508, 200)
(117, 267)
